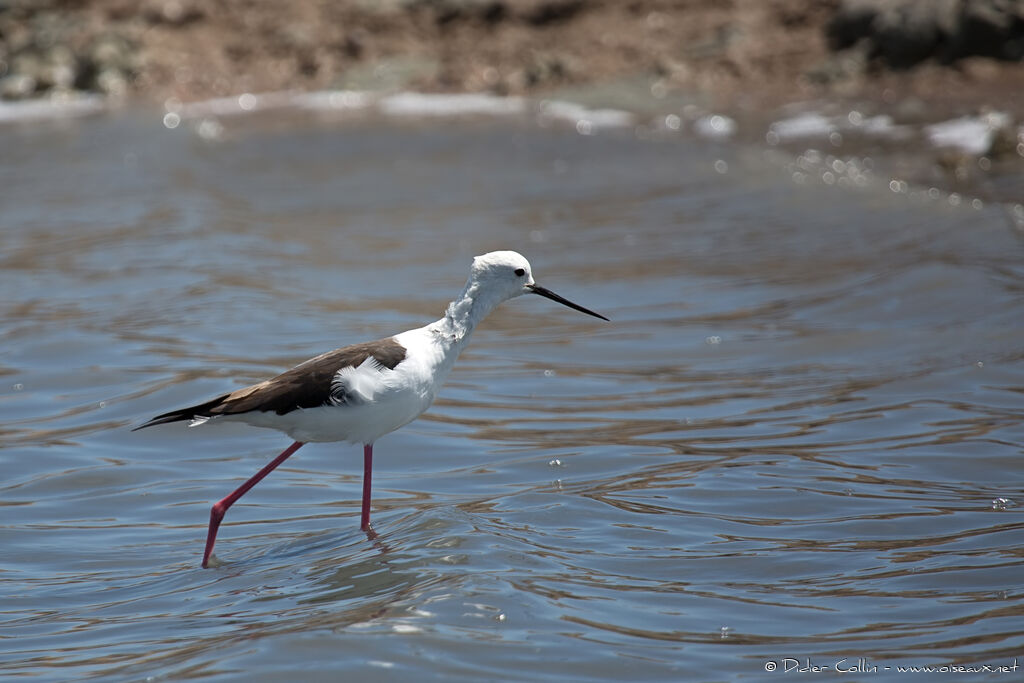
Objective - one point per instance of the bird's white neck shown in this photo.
(462, 316)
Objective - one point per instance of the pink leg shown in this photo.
(221, 506)
(364, 522)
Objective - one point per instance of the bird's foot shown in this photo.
(212, 562)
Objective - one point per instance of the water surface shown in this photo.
(799, 437)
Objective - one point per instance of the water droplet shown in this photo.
(555, 463)
(673, 122)
(102, 404)
(721, 166)
(247, 101)
(713, 339)
(172, 120)
(1003, 504)
(724, 632)
(584, 127)
(715, 127)
(18, 387)
(500, 617)
(549, 373)
(210, 129)
(980, 363)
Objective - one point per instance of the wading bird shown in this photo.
(361, 392)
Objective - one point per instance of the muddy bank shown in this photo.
(734, 53)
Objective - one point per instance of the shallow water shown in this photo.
(798, 442)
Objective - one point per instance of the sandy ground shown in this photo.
(733, 52)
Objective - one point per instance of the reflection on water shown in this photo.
(799, 437)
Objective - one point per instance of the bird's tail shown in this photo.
(198, 412)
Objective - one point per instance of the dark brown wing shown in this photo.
(307, 385)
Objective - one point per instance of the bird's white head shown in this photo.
(502, 274)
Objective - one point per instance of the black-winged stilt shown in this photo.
(361, 392)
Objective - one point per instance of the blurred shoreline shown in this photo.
(728, 54)
(932, 90)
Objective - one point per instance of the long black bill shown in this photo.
(548, 294)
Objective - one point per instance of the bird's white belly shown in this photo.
(363, 423)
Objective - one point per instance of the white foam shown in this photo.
(427, 104)
(246, 103)
(970, 134)
(804, 125)
(38, 109)
(585, 117)
(407, 104)
(335, 100)
(815, 124)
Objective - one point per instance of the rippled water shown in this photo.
(797, 444)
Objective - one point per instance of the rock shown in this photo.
(171, 12)
(112, 82)
(111, 51)
(553, 11)
(853, 21)
(17, 86)
(62, 67)
(902, 33)
(993, 28)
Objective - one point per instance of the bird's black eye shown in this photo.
(520, 272)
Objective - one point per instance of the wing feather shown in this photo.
(308, 385)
